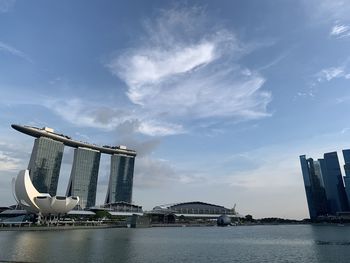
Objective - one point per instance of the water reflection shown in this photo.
(101, 245)
(331, 243)
(297, 243)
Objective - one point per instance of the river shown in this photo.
(261, 243)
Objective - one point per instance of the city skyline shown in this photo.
(218, 98)
(325, 187)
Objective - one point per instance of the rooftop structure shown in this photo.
(196, 209)
(68, 141)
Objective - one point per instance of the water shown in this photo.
(280, 243)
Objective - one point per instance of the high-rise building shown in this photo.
(45, 164)
(346, 155)
(334, 185)
(46, 158)
(83, 178)
(314, 187)
(324, 185)
(121, 179)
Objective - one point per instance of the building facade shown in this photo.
(324, 186)
(334, 184)
(314, 186)
(45, 164)
(83, 178)
(346, 155)
(121, 179)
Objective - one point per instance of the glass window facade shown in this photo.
(334, 185)
(346, 155)
(314, 187)
(324, 185)
(45, 164)
(121, 179)
(83, 178)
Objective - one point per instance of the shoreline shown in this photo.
(59, 228)
(56, 228)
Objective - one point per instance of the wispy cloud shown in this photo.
(344, 130)
(173, 81)
(11, 156)
(8, 163)
(9, 49)
(181, 71)
(340, 31)
(89, 114)
(331, 73)
(342, 99)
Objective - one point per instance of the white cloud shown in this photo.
(176, 75)
(151, 66)
(9, 49)
(12, 156)
(88, 114)
(8, 163)
(154, 128)
(340, 31)
(345, 130)
(331, 73)
(183, 71)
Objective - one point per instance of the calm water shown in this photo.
(203, 244)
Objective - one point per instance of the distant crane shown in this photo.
(234, 209)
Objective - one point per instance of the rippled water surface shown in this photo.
(288, 243)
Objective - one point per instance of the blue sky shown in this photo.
(219, 98)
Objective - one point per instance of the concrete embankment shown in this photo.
(56, 228)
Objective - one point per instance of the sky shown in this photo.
(219, 98)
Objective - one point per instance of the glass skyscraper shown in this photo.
(121, 179)
(346, 155)
(83, 178)
(324, 185)
(45, 164)
(314, 187)
(334, 185)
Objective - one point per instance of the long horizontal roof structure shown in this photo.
(66, 140)
(173, 205)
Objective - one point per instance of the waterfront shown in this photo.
(276, 243)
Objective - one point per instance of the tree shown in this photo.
(249, 218)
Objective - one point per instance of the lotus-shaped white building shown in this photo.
(30, 199)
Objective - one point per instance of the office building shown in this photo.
(45, 164)
(314, 186)
(334, 185)
(346, 155)
(324, 185)
(121, 179)
(83, 178)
